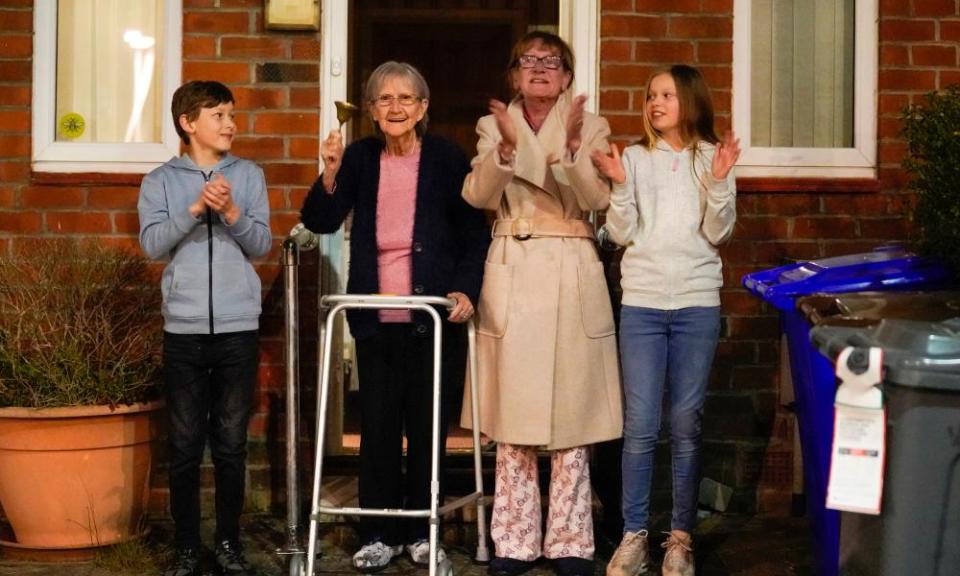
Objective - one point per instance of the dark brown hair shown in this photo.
(192, 97)
(547, 40)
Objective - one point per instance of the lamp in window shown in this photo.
(143, 61)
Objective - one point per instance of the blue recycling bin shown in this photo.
(884, 269)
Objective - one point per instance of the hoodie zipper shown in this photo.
(206, 178)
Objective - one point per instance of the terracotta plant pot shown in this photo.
(76, 477)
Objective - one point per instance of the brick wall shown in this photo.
(275, 77)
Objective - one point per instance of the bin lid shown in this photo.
(915, 353)
(886, 268)
(868, 308)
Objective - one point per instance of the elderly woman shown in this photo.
(548, 359)
(412, 234)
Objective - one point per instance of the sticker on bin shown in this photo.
(859, 436)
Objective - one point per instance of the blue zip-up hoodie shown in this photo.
(208, 285)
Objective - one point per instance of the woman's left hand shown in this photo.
(725, 156)
(463, 311)
(575, 124)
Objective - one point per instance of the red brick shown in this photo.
(8, 197)
(288, 173)
(240, 4)
(199, 3)
(894, 8)
(908, 80)
(616, 5)
(950, 30)
(739, 303)
(21, 222)
(718, 7)
(888, 127)
(16, 20)
(893, 104)
(721, 101)
(623, 124)
(258, 148)
(16, 46)
(824, 227)
(627, 75)
(779, 252)
(16, 71)
(635, 27)
(783, 204)
(760, 228)
(720, 52)
(308, 98)
(216, 22)
(256, 47)
(614, 100)
(659, 6)
(906, 30)
(51, 197)
(113, 197)
(884, 228)
(305, 49)
(16, 171)
(258, 98)
(934, 8)
(12, 146)
(948, 78)
(306, 148)
(287, 123)
(616, 50)
(126, 223)
(892, 152)
(226, 72)
(701, 27)
(934, 55)
(15, 96)
(718, 76)
(753, 327)
(199, 46)
(79, 222)
(276, 198)
(894, 55)
(856, 204)
(663, 52)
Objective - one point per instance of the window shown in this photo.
(104, 74)
(804, 87)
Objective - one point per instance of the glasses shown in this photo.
(549, 62)
(387, 100)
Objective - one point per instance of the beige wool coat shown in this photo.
(548, 367)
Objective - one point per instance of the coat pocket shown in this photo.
(494, 302)
(596, 313)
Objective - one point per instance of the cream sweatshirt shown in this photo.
(671, 216)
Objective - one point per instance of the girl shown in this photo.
(673, 203)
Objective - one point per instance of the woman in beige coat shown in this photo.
(548, 360)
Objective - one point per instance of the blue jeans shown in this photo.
(210, 380)
(673, 348)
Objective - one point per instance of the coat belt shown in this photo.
(526, 228)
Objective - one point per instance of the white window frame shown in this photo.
(860, 161)
(49, 155)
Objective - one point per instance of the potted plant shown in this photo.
(932, 130)
(79, 363)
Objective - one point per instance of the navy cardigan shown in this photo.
(450, 238)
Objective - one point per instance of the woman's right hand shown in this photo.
(610, 166)
(331, 151)
(508, 131)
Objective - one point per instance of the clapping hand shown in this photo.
(610, 165)
(508, 131)
(725, 156)
(575, 124)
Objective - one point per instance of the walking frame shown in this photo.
(330, 306)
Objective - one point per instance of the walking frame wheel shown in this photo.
(332, 305)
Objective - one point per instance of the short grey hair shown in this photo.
(392, 69)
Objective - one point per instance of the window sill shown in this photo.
(86, 178)
(812, 185)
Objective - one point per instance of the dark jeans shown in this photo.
(210, 380)
(396, 397)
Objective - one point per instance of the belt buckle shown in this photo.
(522, 232)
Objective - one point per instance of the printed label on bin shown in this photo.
(859, 433)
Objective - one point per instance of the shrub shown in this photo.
(78, 326)
(932, 130)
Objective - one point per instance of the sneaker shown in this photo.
(230, 558)
(375, 556)
(632, 555)
(419, 552)
(678, 561)
(186, 562)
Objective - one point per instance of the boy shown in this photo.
(206, 213)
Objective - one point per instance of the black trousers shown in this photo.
(396, 399)
(210, 380)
